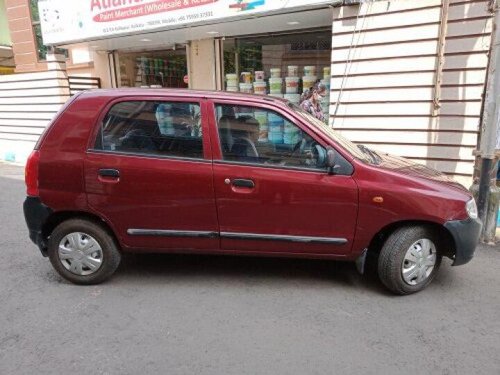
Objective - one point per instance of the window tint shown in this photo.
(260, 136)
(153, 128)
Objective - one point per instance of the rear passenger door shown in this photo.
(148, 172)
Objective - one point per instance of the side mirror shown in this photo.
(331, 156)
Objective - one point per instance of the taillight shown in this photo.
(31, 174)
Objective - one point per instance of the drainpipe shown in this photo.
(488, 194)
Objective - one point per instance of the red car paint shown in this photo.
(165, 193)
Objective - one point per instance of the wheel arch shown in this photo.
(58, 217)
(447, 243)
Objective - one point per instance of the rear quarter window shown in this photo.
(158, 128)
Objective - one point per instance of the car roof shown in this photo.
(188, 93)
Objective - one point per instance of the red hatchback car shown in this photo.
(211, 172)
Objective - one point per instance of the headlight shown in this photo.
(471, 208)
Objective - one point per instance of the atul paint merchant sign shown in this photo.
(65, 21)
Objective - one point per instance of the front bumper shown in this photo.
(36, 214)
(466, 235)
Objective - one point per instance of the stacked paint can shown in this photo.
(232, 82)
(325, 105)
(309, 78)
(276, 125)
(261, 117)
(291, 134)
(260, 86)
(165, 121)
(276, 83)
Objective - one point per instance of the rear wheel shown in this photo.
(83, 252)
(409, 259)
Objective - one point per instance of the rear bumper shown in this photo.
(466, 235)
(36, 214)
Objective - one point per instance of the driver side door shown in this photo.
(280, 200)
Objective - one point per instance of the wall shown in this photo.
(383, 88)
(23, 40)
(27, 104)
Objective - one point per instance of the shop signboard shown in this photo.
(65, 21)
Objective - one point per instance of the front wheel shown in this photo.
(409, 260)
(83, 252)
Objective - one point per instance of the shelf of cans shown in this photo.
(273, 128)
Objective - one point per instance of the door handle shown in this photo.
(113, 173)
(244, 183)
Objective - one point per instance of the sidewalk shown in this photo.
(11, 170)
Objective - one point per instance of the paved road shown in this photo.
(225, 315)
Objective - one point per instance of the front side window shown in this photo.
(261, 136)
(153, 128)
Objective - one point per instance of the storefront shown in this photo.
(278, 48)
(405, 77)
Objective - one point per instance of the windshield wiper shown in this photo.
(373, 155)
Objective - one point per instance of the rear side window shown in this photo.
(153, 128)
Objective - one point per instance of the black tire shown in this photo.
(111, 256)
(390, 262)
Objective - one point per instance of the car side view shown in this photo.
(186, 171)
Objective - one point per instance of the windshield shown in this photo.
(350, 147)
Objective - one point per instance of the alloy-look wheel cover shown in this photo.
(419, 262)
(80, 254)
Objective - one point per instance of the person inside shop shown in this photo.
(311, 99)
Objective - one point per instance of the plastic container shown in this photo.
(246, 88)
(294, 98)
(326, 72)
(293, 71)
(246, 77)
(261, 117)
(276, 95)
(292, 138)
(275, 73)
(309, 70)
(275, 137)
(232, 80)
(260, 88)
(292, 85)
(260, 76)
(308, 82)
(276, 85)
(165, 122)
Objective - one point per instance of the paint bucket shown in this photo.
(308, 82)
(246, 77)
(260, 88)
(260, 76)
(309, 70)
(326, 73)
(291, 138)
(293, 71)
(165, 122)
(232, 81)
(232, 88)
(275, 138)
(276, 95)
(275, 73)
(246, 88)
(275, 85)
(292, 85)
(293, 98)
(261, 117)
